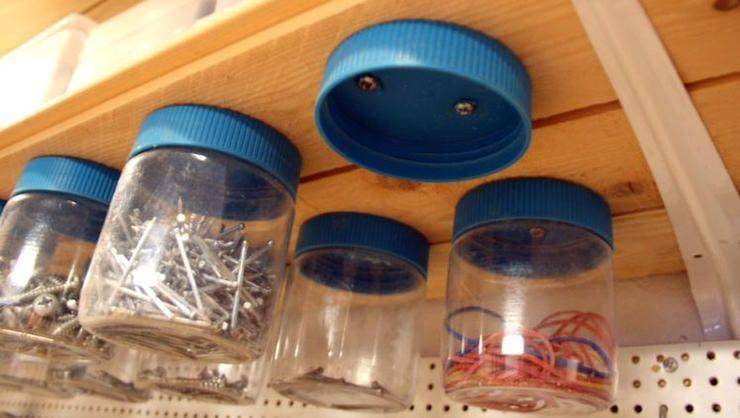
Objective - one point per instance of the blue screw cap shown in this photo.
(347, 230)
(69, 176)
(225, 131)
(534, 199)
(425, 100)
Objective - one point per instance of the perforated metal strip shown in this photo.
(705, 383)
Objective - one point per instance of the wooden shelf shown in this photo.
(265, 58)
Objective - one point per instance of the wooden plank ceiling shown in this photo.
(273, 68)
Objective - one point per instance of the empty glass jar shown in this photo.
(48, 232)
(349, 333)
(529, 299)
(192, 256)
(233, 384)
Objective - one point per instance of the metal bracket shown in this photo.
(701, 200)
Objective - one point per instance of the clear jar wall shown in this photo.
(113, 379)
(96, 382)
(46, 243)
(349, 345)
(191, 258)
(529, 319)
(233, 384)
(29, 374)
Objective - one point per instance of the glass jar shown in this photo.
(113, 379)
(48, 232)
(349, 333)
(233, 384)
(29, 374)
(530, 299)
(192, 256)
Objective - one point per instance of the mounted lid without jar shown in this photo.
(425, 100)
(192, 256)
(529, 299)
(48, 232)
(349, 333)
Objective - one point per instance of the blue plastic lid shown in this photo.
(226, 131)
(425, 100)
(534, 199)
(69, 176)
(363, 231)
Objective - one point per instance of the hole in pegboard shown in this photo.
(711, 355)
(446, 408)
(689, 408)
(685, 357)
(635, 359)
(614, 409)
(411, 408)
(713, 381)
(432, 366)
(662, 383)
(717, 408)
(659, 358)
(638, 408)
(465, 408)
(736, 354)
(687, 382)
(430, 386)
(636, 383)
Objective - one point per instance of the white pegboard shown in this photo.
(706, 383)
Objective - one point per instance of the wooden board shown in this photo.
(274, 73)
(265, 58)
(109, 8)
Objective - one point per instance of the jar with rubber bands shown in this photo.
(530, 300)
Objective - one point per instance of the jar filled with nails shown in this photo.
(349, 334)
(191, 260)
(48, 232)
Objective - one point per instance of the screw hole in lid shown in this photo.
(726, 5)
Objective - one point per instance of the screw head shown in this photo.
(670, 364)
(537, 232)
(464, 107)
(45, 304)
(368, 83)
(725, 5)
